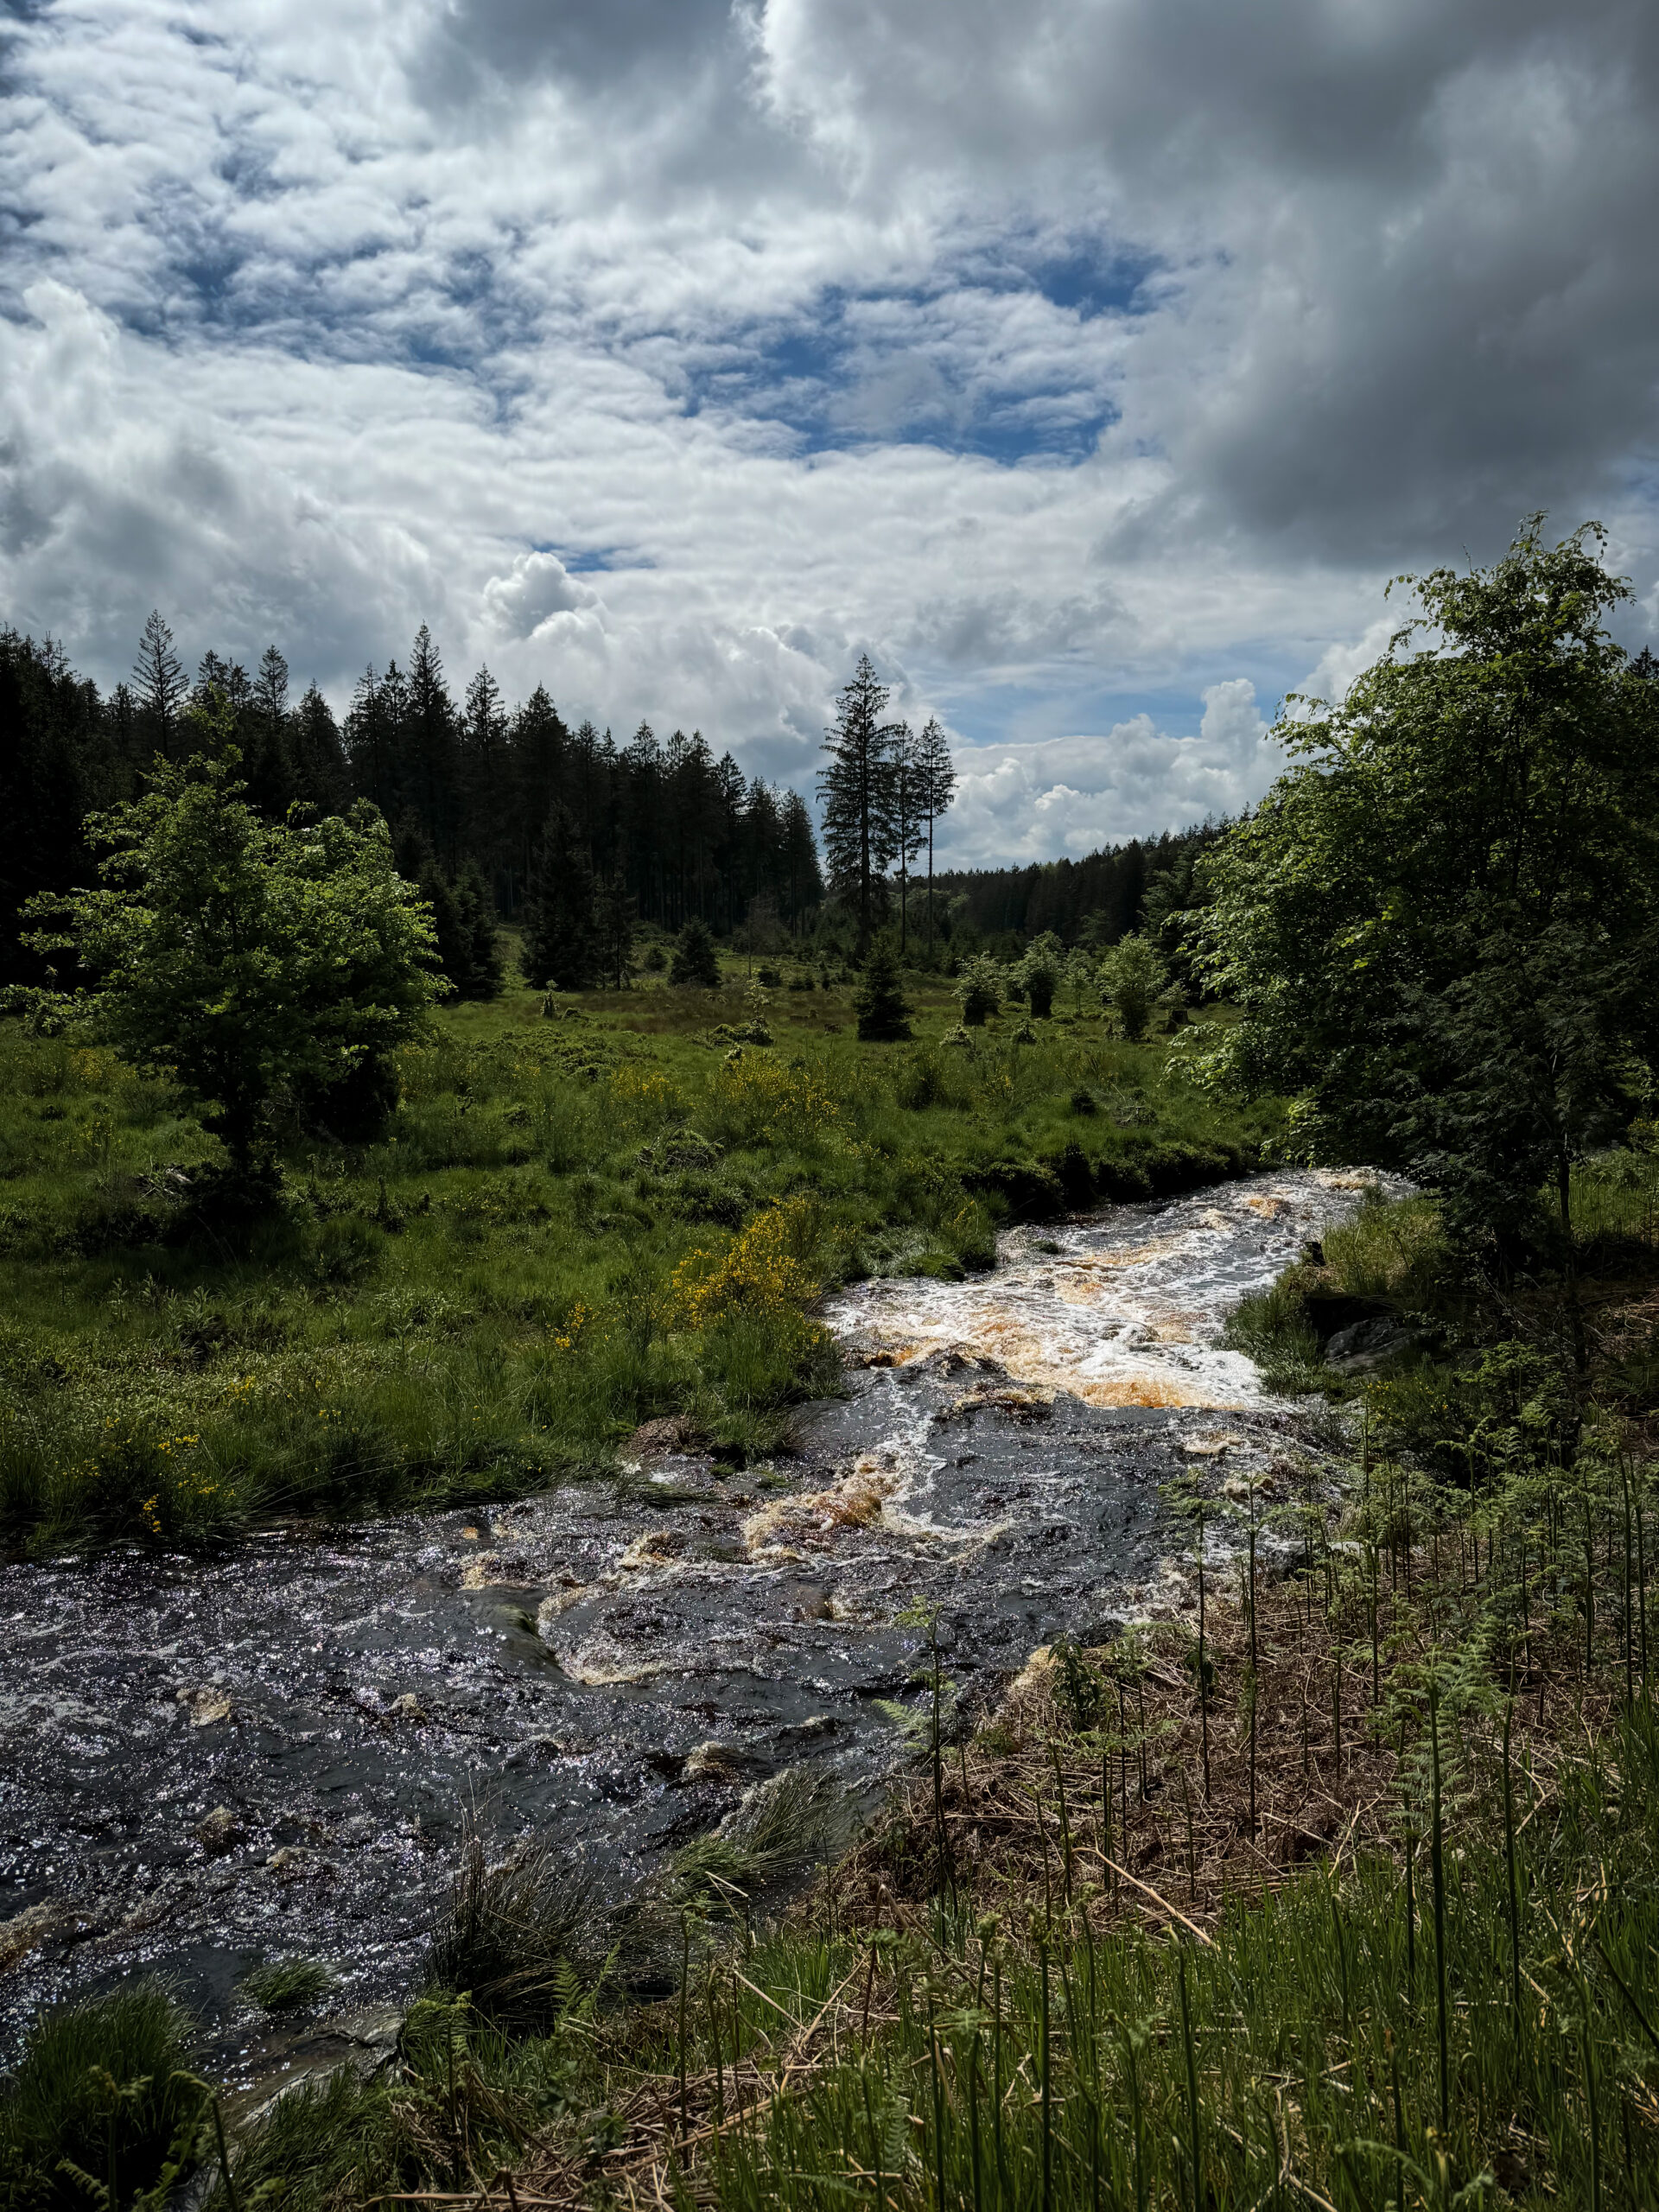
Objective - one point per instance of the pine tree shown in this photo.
(859, 837)
(615, 915)
(477, 910)
(695, 965)
(316, 756)
(483, 771)
(454, 939)
(538, 749)
(935, 774)
(910, 787)
(798, 863)
(432, 742)
(159, 682)
(883, 1016)
(42, 792)
(560, 952)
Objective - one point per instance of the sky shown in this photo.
(1093, 365)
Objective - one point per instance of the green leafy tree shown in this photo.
(251, 964)
(883, 1016)
(1134, 982)
(979, 990)
(1040, 972)
(1441, 927)
(695, 965)
(561, 949)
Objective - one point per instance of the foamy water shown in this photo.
(606, 1665)
(1128, 1311)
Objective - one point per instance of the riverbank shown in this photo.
(1340, 1891)
(529, 1267)
(1454, 1631)
(276, 1747)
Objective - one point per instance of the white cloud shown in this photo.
(1344, 660)
(1231, 723)
(521, 603)
(1072, 795)
(1064, 359)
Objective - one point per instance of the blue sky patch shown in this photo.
(945, 366)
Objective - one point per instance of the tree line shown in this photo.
(472, 790)
(501, 810)
(1092, 901)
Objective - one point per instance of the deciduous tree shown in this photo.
(249, 962)
(1441, 926)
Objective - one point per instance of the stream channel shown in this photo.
(207, 1763)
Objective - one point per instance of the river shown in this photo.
(209, 1761)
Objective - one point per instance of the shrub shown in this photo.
(979, 991)
(289, 1984)
(767, 1268)
(1133, 983)
(511, 1934)
(919, 1083)
(1039, 972)
(761, 1098)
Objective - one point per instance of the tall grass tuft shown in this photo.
(97, 2102)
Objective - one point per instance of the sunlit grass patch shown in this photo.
(390, 1331)
(286, 1984)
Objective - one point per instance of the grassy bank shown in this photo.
(1342, 1892)
(578, 1220)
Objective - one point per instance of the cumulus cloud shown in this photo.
(1074, 794)
(538, 588)
(1092, 366)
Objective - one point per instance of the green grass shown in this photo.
(94, 2102)
(287, 1984)
(980, 2061)
(486, 1299)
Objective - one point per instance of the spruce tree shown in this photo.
(859, 838)
(615, 913)
(909, 796)
(477, 912)
(158, 679)
(935, 776)
(696, 966)
(319, 762)
(453, 938)
(883, 1016)
(560, 952)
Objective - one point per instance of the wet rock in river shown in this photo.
(219, 1831)
(654, 1547)
(713, 1761)
(27, 1932)
(207, 1703)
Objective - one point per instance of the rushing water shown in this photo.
(207, 1763)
